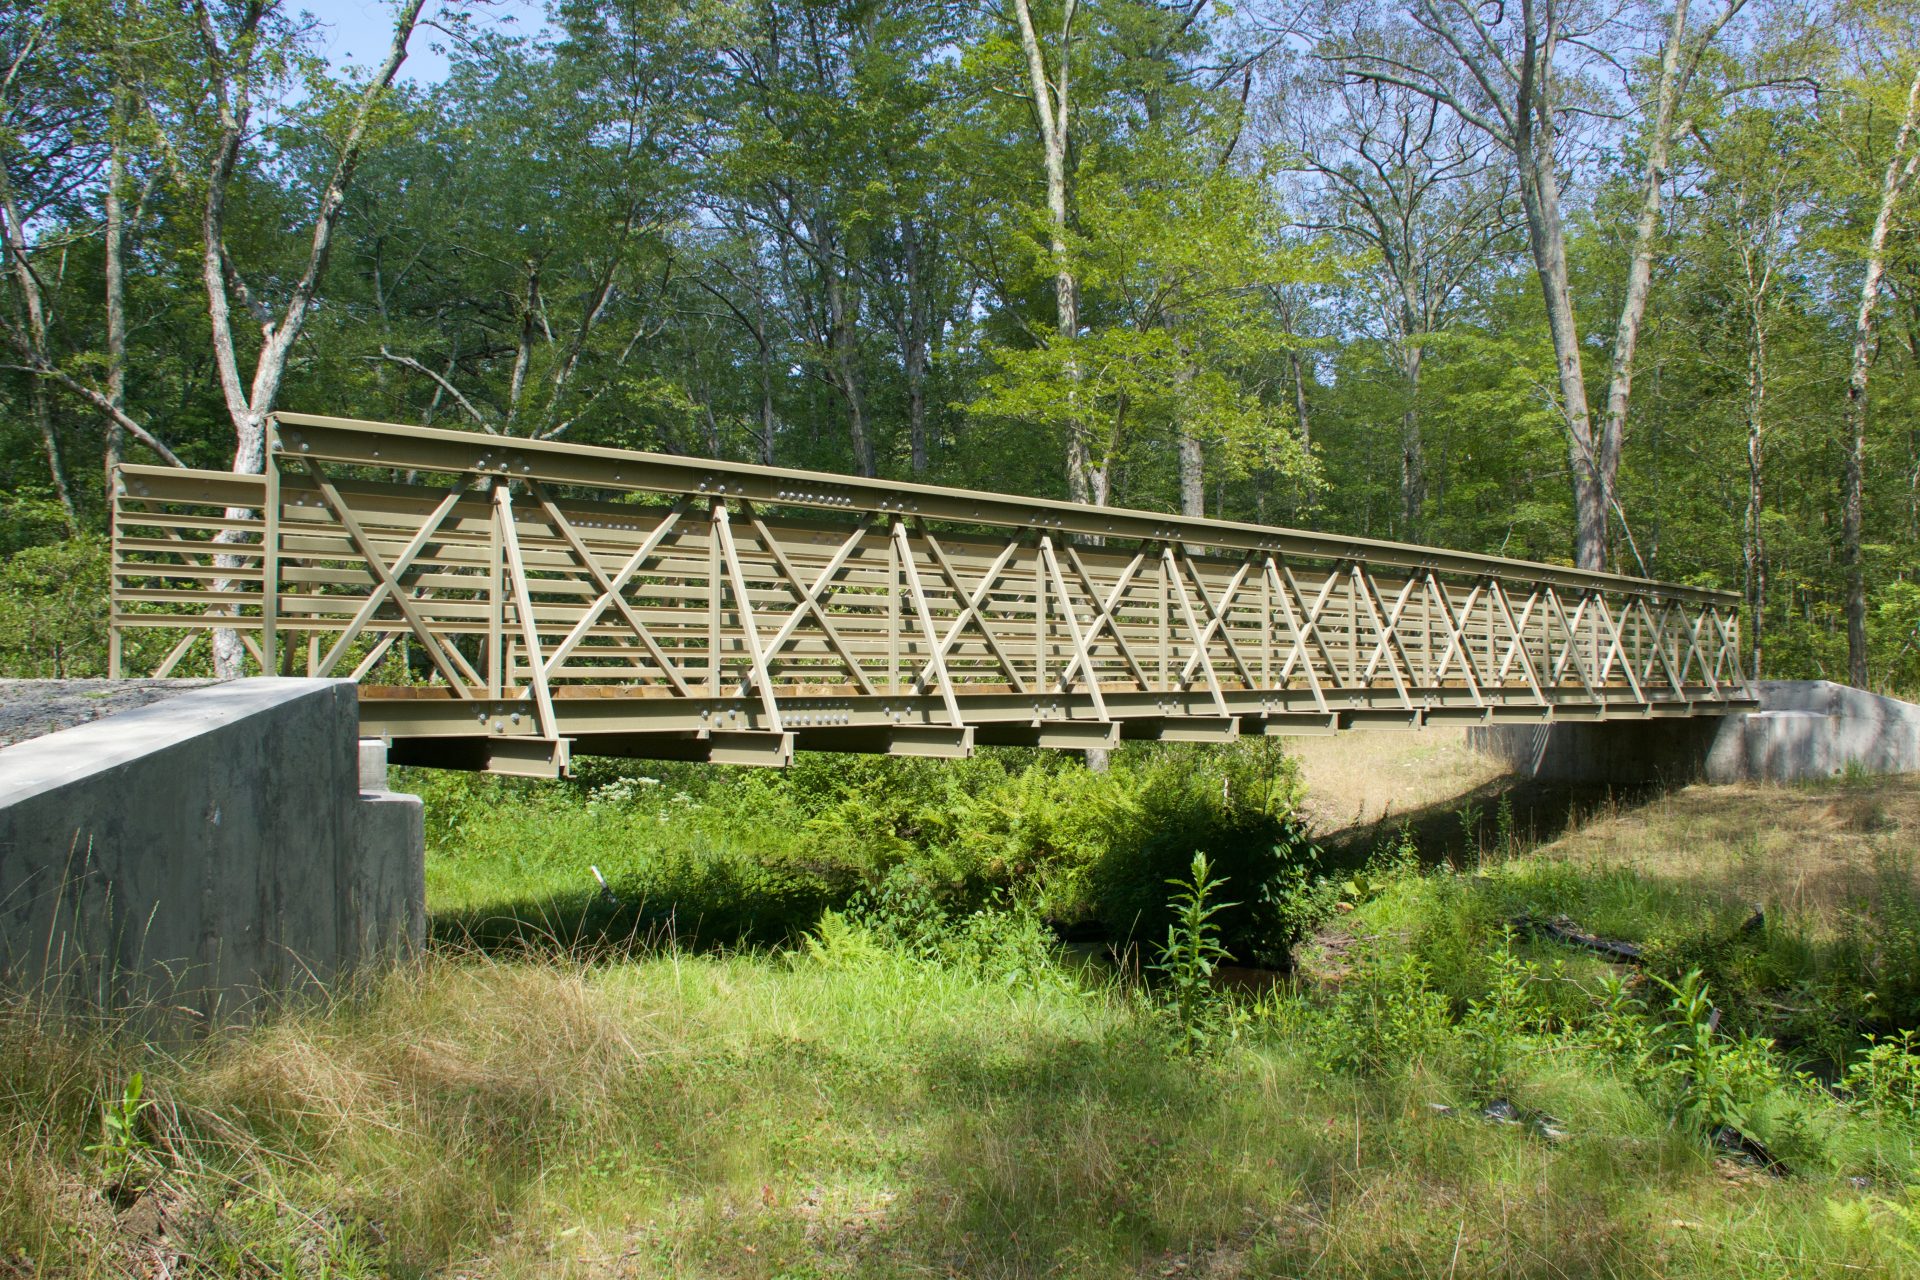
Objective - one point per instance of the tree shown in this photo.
(1412, 187)
(1902, 163)
(1518, 75)
(1051, 91)
(517, 254)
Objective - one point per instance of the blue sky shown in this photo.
(358, 31)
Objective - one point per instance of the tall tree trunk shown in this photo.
(35, 341)
(249, 405)
(767, 420)
(116, 283)
(1052, 114)
(1756, 544)
(42, 406)
(844, 336)
(1413, 454)
(1193, 458)
(1300, 398)
(1546, 240)
(914, 356)
(1633, 305)
(1899, 173)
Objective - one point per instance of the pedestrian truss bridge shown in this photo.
(546, 599)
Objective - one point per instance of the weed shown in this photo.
(1505, 838)
(1885, 1079)
(124, 1150)
(1188, 959)
(1707, 1080)
(1386, 1018)
(1470, 813)
(1495, 1025)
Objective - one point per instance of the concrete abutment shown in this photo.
(202, 854)
(1804, 730)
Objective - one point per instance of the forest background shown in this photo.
(1603, 282)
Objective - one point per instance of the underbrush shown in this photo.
(960, 1102)
(907, 1073)
(716, 856)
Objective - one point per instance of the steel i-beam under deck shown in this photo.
(564, 599)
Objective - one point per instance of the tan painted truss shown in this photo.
(542, 599)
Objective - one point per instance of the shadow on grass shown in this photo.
(1463, 829)
(596, 928)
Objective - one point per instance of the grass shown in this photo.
(861, 1113)
(902, 1092)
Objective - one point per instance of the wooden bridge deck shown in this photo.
(560, 598)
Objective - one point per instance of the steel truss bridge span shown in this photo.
(566, 599)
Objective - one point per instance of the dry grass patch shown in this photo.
(1814, 851)
(1362, 778)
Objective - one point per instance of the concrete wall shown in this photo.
(1804, 729)
(204, 852)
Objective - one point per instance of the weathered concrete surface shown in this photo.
(204, 852)
(1804, 729)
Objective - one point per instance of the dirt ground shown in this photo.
(33, 708)
(1367, 777)
(1809, 848)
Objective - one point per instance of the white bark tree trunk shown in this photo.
(1901, 166)
(249, 405)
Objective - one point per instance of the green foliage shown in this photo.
(1235, 805)
(1188, 958)
(1495, 1022)
(124, 1149)
(753, 856)
(1706, 1079)
(1885, 1079)
(1385, 1018)
(53, 610)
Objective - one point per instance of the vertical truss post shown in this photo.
(743, 613)
(1164, 598)
(497, 675)
(270, 560)
(893, 617)
(1041, 621)
(1266, 632)
(898, 532)
(713, 603)
(523, 606)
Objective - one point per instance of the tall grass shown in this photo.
(910, 1076)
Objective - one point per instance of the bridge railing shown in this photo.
(549, 597)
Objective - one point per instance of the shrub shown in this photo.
(1385, 1018)
(53, 610)
(1885, 1080)
(1234, 805)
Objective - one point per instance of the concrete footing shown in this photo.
(1805, 729)
(207, 852)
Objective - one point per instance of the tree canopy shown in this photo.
(1613, 283)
